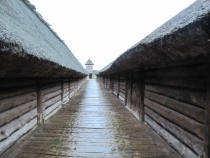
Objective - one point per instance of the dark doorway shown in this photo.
(90, 76)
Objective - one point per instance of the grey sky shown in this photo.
(104, 29)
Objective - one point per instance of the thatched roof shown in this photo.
(183, 39)
(29, 47)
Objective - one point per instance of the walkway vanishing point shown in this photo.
(93, 124)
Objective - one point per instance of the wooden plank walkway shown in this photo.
(95, 124)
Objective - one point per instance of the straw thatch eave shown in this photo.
(15, 63)
(29, 47)
(183, 39)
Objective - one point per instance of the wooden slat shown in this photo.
(184, 82)
(17, 82)
(51, 95)
(188, 70)
(16, 124)
(184, 108)
(39, 102)
(175, 143)
(185, 95)
(51, 101)
(9, 103)
(13, 92)
(10, 115)
(179, 119)
(207, 123)
(193, 142)
(51, 80)
(6, 143)
(46, 86)
(51, 108)
(50, 90)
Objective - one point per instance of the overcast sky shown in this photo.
(104, 29)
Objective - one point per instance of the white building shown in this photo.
(89, 67)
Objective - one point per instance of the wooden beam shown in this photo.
(62, 91)
(40, 117)
(126, 88)
(141, 96)
(69, 88)
(207, 123)
(118, 85)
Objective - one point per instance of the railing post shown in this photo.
(40, 115)
(207, 123)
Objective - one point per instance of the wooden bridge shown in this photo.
(161, 87)
(94, 123)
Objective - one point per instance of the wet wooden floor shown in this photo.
(94, 124)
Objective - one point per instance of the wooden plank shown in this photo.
(186, 70)
(10, 115)
(141, 95)
(179, 119)
(50, 90)
(65, 85)
(10, 103)
(6, 143)
(65, 90)
(118, 85)
(111, 84)
(50, 80)
(51, 108)
(66, 94)
(39, 103)
(51, 95)
(50, 85)
(184, 82)
(65, 99)
(184, 108)
(207, 123)
(122, 95)
(122, 91)
(129, 93)
(51, 101)
(16, 124)
(17, 82)
(62, 91)
(13, 92)
(121, 98)
(185, 95)
(69, 87)
(174, 142)
(193, 142)
(126, 88)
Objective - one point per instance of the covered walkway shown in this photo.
(93, 123)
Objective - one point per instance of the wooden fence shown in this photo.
(24, 103)
(173, 101)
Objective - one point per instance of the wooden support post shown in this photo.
(126, 88)
(131, 89)
(40, 116)
(141, 96)
(118, 85)
(110, 83)
(207, 123)
(103, 81)
(69, 88)
(62, 91)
